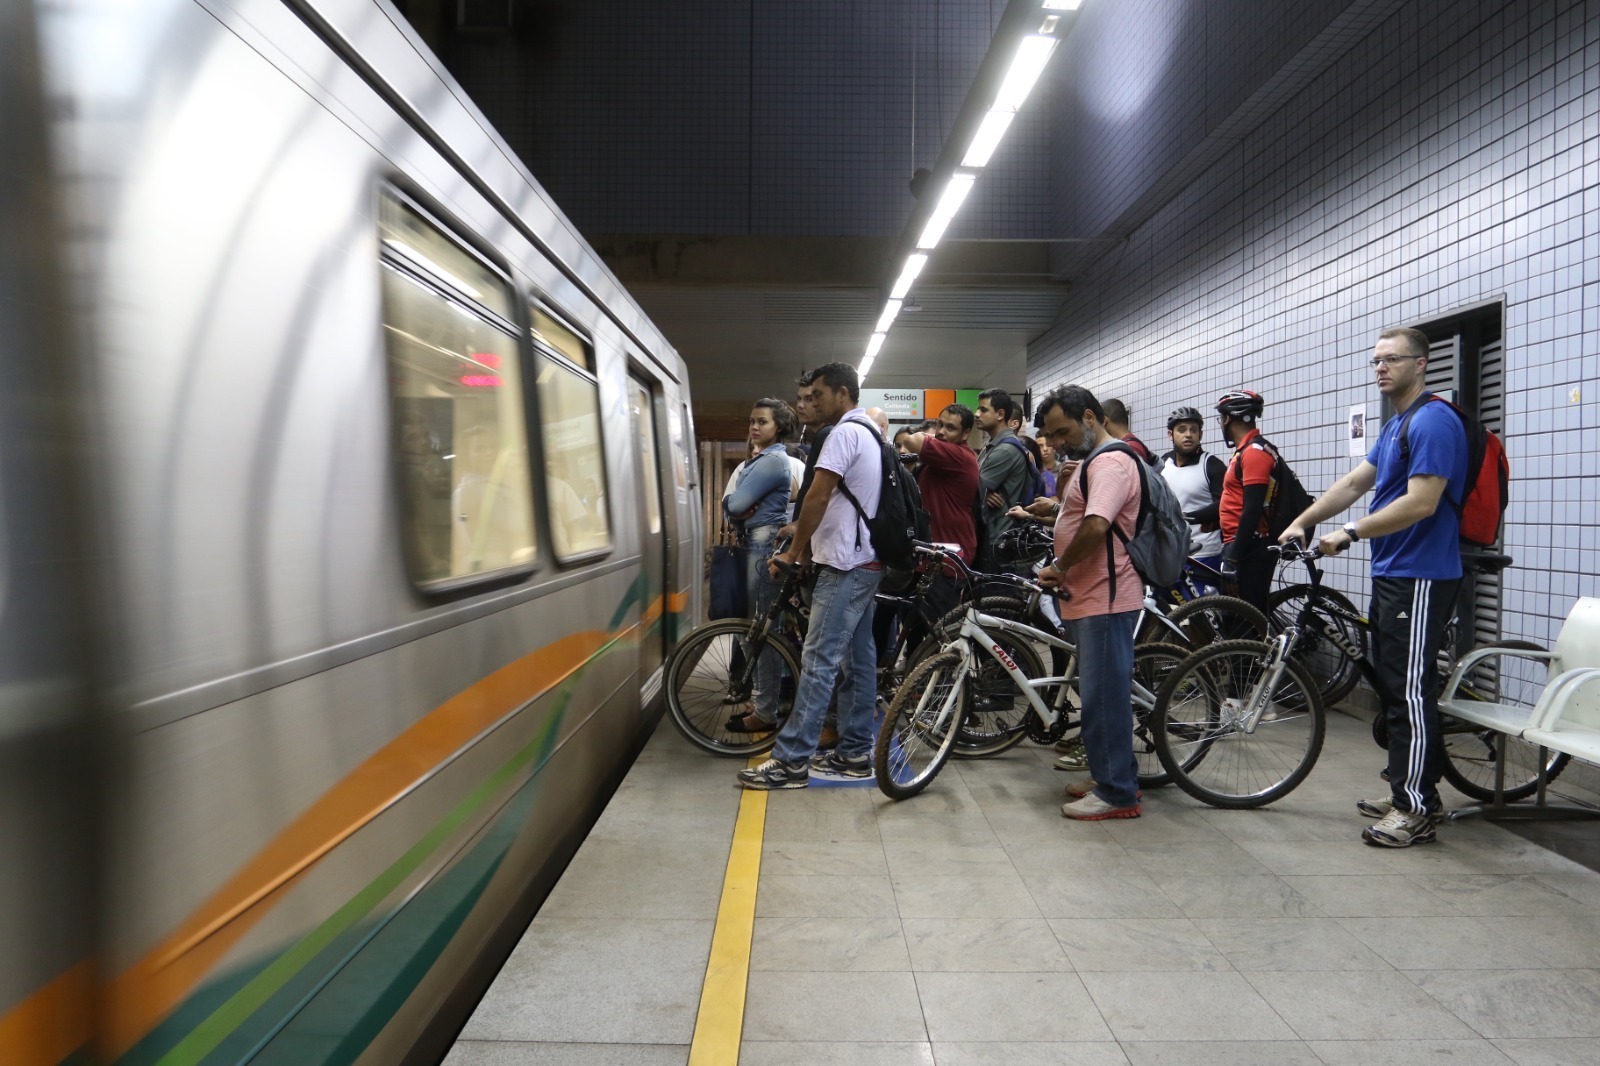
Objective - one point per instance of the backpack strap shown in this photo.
(1114, 531)
(1027, 459)
(863, 521)
(1405, 444)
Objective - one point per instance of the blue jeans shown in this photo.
(763, 590)
(1105, 678)
(838, 648)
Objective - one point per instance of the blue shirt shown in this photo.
(764, 485)
(1431, 548)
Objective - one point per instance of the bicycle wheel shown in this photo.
(1152, 663)
(995, 716)
(703, 692)
(1207, 619)
(1335, 672)
(1199, 718)
(920, 728)
(1470, 753)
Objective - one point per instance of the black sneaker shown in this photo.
(775, 774)
(839, 765)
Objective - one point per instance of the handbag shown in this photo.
(730, 590)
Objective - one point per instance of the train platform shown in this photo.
(974, 925)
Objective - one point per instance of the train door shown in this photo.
(653, 566)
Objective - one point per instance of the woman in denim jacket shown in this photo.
(758, 506)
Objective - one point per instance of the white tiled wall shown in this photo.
(1448, 158)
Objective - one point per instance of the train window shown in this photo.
(413, 240)
(574, 461)
(557, 336)
(459, 418)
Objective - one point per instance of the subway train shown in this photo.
(347, 516)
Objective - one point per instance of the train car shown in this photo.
(347, 515)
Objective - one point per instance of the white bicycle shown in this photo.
(920, 731)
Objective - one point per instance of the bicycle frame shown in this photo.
(975, 633)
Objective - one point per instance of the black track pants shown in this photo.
(1408, 620)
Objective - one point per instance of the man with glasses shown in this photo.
(1416, 572)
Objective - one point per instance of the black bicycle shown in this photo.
(1333, 646)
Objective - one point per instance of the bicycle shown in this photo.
(1336, 639)
(925, 718)
(713, 671)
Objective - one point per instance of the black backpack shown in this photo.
(1287, 499)
(900, 520)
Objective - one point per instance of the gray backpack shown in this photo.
(1160, 542)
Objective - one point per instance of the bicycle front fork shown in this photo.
(1258, 701)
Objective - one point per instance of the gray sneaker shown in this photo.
(1400, 829)
(840, 765)
(775, 774)
(1377, 808)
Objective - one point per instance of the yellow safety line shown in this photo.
(719, 1025)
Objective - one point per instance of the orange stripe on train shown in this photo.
(139, 998)
(52, 1023)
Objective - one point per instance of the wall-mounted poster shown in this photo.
(1357, 431)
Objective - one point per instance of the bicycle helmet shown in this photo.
(1242, 404)
(1184, 414)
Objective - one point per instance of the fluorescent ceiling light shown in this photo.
(861, 371)
(945, 210)
(873, 346)
(995, 124)
(890, 310)
(913, 267)
(1061, 5)
(1026, 66)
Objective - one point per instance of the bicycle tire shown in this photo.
(920, 723)
(990, 730)
(698, 678)
(1196, 707)
(1151, 665)
(1336, 673)
(1469, 754)
(1207, 619)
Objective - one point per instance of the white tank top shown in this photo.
(1188, 484)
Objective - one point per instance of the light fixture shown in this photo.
(987, 139)
(872, 349)
(1061, 5)
(908, 275)
(949, 203)
(890, 310)
(1026, 66)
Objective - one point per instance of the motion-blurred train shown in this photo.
(346, 518)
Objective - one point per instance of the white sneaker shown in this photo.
(1092, 808)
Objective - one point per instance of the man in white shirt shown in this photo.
(1195, 478)
(839, 645)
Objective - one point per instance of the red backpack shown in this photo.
(1488, 476)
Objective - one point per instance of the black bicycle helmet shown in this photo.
(1242, 404)
(1184, 414)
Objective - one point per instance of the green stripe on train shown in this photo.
(245, 1015)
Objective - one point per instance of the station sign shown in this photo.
(902, 405)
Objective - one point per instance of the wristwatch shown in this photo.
(1350, 531)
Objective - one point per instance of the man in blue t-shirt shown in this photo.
(1414, 525)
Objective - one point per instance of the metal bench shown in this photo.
(1565, 718)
